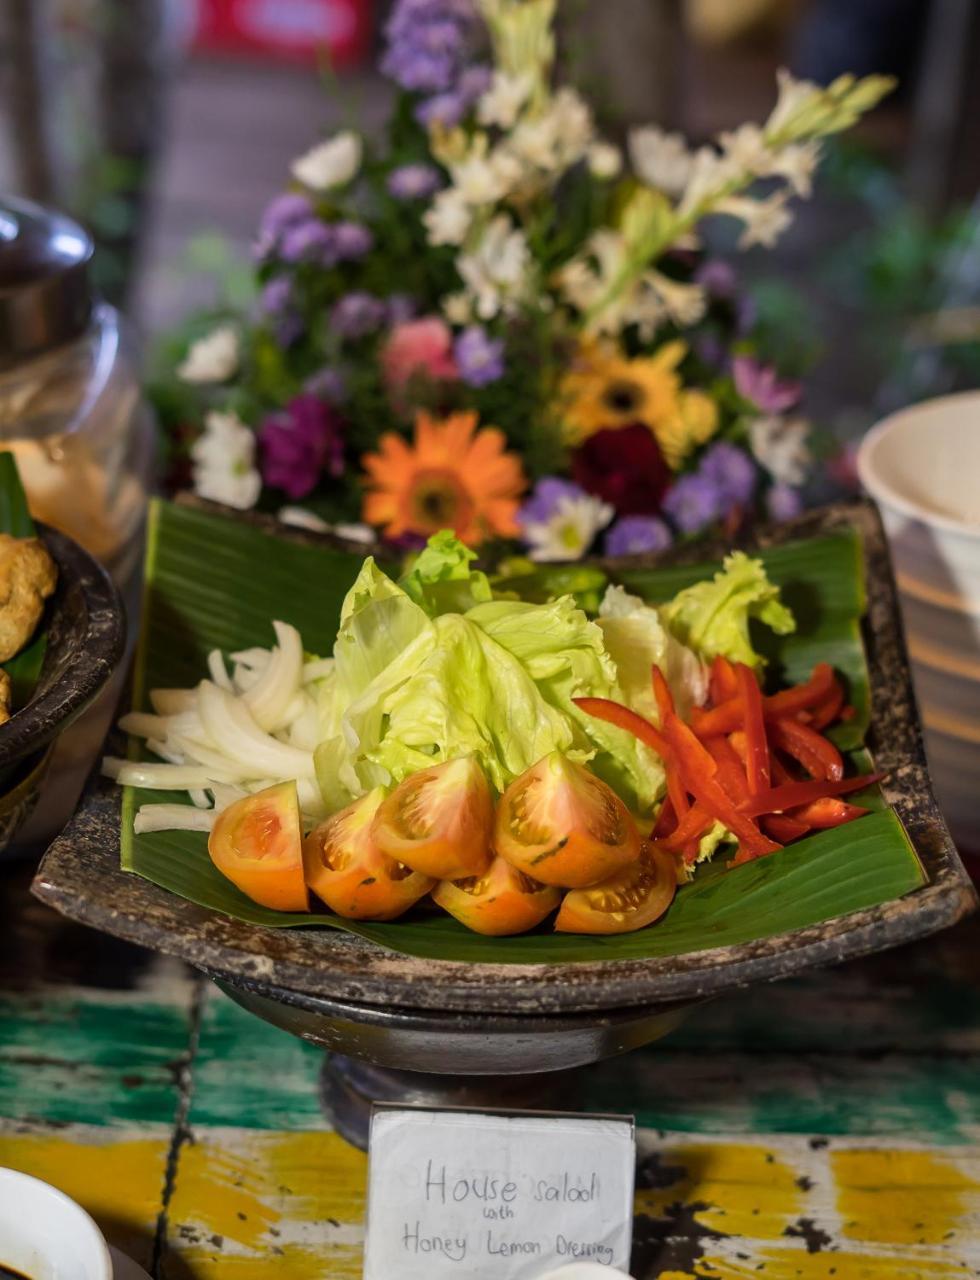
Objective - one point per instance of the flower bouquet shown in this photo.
(497, 322)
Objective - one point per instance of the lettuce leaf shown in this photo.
(441, 580)
(712, 617)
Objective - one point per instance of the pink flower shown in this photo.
(417, 347)
(758, 384)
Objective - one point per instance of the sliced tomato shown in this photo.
(560, 824)
(257, 842)
(346, 869)
(500, 902)
(629, 900)
(439, 821)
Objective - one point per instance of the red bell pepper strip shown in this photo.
(666, 820)
(784, 828)
(730, 773)
(757, 747)
(689, 830)
(662, 694)
(803, 696)
(792, 795)
(698, 770)
(827, 711)
(816, 754)
(615, 713)
(726, 715)
(828, 811)
(711, 722)
(721, 685)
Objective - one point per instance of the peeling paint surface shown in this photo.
(823, 1129)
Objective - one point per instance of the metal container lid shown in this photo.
(45, 296)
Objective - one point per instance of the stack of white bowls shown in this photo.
(922, 467)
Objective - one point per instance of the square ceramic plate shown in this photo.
(81, 877)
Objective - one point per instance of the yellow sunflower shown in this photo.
(605, 389)
(452, 477)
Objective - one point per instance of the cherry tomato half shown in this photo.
(560, 824)
(500, 902)
(349, 872)
(630, 900)
(438, 821)
(257, 842)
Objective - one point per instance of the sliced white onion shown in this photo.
(255, 658)
(172, 817)
(155, 777)
(269, 698)
(170, 702)
(199, 798)
(225, 795)
(317, 669)
(218, 670)
(142, 725)
(232, 729)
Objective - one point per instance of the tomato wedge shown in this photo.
(345, 868)
(629, 900)
(257, 842)
(500, 902)
(560, 824)
(438, 821)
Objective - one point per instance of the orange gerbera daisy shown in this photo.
(455, 477)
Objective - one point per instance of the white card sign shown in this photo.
(510, 1196)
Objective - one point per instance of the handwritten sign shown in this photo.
(474, 1194)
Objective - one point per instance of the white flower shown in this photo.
(661, 160)
(685, 304)
(213, 358)
(448, 218)
(570, 529)
(710, 172)
(484, 178)
(780, 445)
(224, 462)
(329, 164)
(746, 147)
(604, 160)
(797, 164)
(559, 137)
(494, 272)
(795, 96)
(458, 309)
(765, 220)
(502, 102)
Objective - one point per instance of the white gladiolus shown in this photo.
(213, 358)
(448, 219)
(780, 445)
(495, 270)
(504, 100)
(765, 220)
(660, 159)
(224, 462)
(329, 164)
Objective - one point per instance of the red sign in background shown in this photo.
(303, 30)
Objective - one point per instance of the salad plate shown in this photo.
(896, 872)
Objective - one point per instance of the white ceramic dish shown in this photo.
(922, 467)
(47, 1236)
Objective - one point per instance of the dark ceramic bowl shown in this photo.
(86, 631)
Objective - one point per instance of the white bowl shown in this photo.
(922, 467)
(45, 1235)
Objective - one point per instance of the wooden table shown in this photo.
(823, 1127)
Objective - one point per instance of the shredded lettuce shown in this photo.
(712, 617)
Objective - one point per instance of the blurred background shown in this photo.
(166, 125)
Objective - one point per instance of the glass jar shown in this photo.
(70, 403)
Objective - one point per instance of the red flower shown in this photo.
(623, 466)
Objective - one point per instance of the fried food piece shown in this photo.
(27, 577)
(5, 696)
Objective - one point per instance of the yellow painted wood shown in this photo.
(116, 1174)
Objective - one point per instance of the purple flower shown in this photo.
(447, 109)
(731, 471)
(414, 181)
(693, 503)
(548, 493)
(298, 444)
(718, 277)
(479, 358)
(426, 44)
(309, 241)
(283, 212)
(758, 384)
(328, 384)
(357, 314)
(276, 304)
(784, 502)
(634, 535)
(475, 82)
(401, 307)
(351, 240)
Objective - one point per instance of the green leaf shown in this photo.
(24, 668)
(213, 582)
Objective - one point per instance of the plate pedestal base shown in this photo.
(348, 1088)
